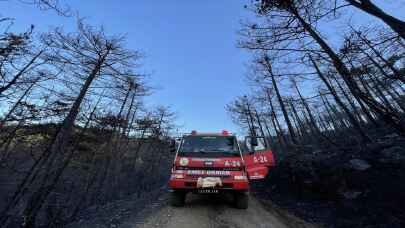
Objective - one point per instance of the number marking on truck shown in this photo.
(260, 159)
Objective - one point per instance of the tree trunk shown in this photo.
(396, 121)
(266, 125)
(364, 109)
(259, 122)
(251, 119)
(352, 119)
(5, 118)
(306, 106)
(274, 118)
(367, 6)
(281, 102)
(298, 123)
(20, 73)
(59, 147)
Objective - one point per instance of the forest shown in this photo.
(326, 91)
(74, 130)
(331, 107)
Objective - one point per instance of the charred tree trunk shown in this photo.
(391, 118)
(367, 6)
(354, 108)
(274, 118)
(18, 75)
(280, 100)
(9, 113)
(352, 119)
(58, 147)
(259, 122)
(299, 125)
(306, 106)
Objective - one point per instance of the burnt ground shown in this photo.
(211, 211)
(339, 214)
(129, 212)
(358, 189)
(217, 211)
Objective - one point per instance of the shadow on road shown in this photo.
(210, 200)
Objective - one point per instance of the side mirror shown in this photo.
(254, 142)
(172, 145)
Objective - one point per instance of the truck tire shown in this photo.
(177, 198)
(241, 200)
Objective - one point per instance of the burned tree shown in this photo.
(87, 56)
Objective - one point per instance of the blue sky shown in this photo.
(190, 47)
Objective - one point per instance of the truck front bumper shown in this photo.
(191, 184)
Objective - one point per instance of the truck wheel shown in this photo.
(241, 200)
(177, 198)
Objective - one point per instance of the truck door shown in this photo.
(258, 157)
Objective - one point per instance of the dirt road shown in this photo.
(217, 211)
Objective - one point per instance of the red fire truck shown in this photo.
(216, 163)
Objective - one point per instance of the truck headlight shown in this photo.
(243, 177)
(177, 176)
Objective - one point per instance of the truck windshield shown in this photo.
(209, 144)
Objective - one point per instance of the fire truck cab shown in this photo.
(211, 163)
